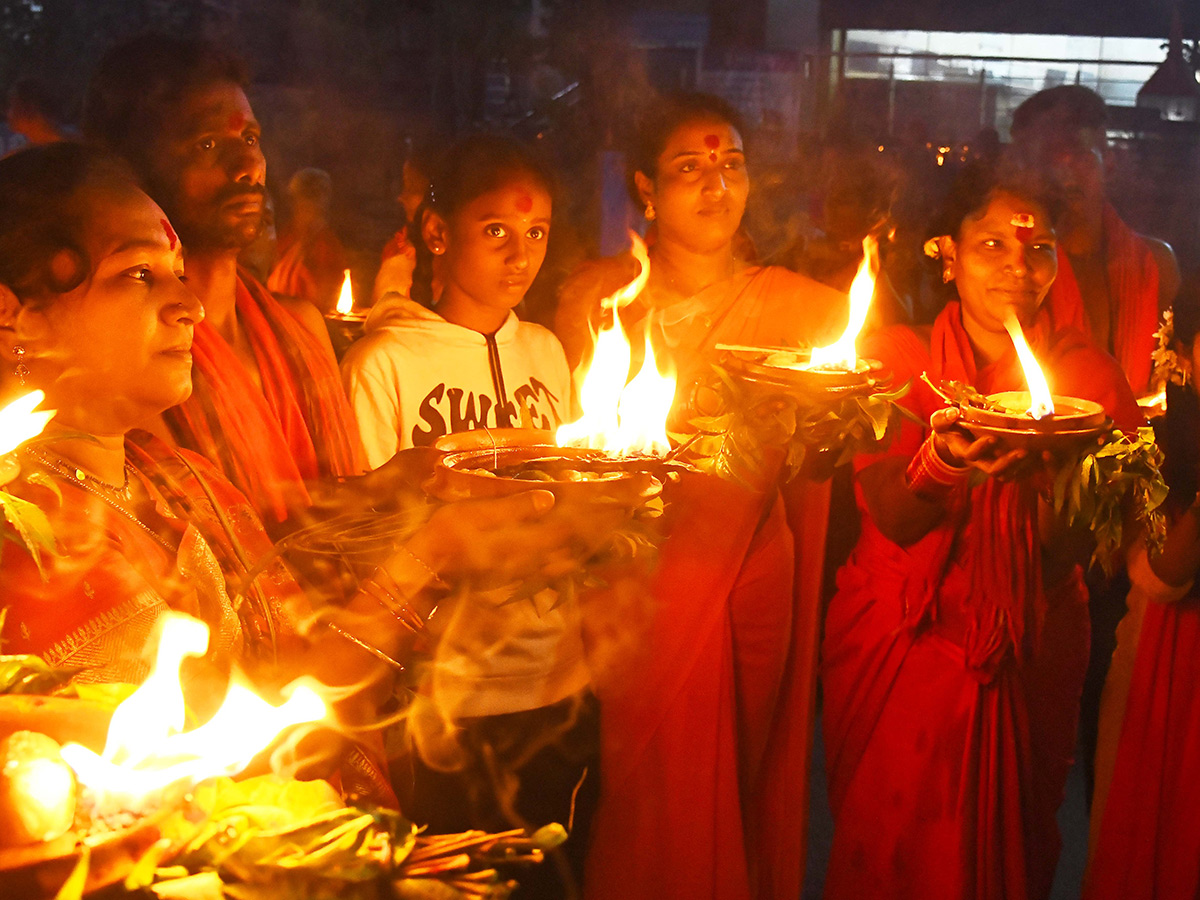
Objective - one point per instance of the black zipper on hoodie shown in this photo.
(498, 381)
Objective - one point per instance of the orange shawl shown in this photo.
(268, 442)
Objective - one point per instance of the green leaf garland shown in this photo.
(1100, 487)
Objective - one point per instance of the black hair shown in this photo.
(973, 188)
(40, 217)
(138, 83)
(660, 119)
(1179, 435)
(979, 181)
(471, 168)
(1066, 108)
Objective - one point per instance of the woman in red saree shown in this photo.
(956, 646)
(90, 297)
(705, 727)
(1145, 829)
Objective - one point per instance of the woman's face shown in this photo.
(495, 245)
(116, 351)
(1003, 262)
(700, 188)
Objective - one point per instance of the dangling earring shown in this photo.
(649, 211)
(946, 275)
(22, 370)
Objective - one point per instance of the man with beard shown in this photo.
(268, 404)
(1112, 283)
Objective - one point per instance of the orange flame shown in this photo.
(1041, 403)
(19, 422)
(147, 751)
(622, 417)
(842, 354)
(345, 303)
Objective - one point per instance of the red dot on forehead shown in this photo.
(524, 203)
(711, 141)
(236, 120)
(171, 236)
(1023, 224)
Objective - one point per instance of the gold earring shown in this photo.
(649, 211)
(946, 275)
(22, 370)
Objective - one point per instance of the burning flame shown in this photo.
(19, 422)
(620, 417)
(147, 750)
(842, 354)
(345, 303)
(1154, 401)
(1041, 403)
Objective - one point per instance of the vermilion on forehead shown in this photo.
(237, 120)
(711, 141)
(524, 203)
(171, 236)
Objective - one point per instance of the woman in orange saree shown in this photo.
(705, 727)
(955, 648)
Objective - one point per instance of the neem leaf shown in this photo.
(31, 524)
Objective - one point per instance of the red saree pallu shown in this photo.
(1149, 843)
(268, 441)
(951, 676)
(706, 734)
(694, 728)
(1133, 291)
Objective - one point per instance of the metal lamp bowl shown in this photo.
(752, 366)
(1075, 422)
(457, 474)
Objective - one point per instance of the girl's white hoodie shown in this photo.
(414, 377)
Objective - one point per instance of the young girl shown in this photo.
(419, 374)
(503, 728)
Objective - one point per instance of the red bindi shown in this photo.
(171, 236)
(524, 203)
(1022, 224)
(236, 121)
(711, 141)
